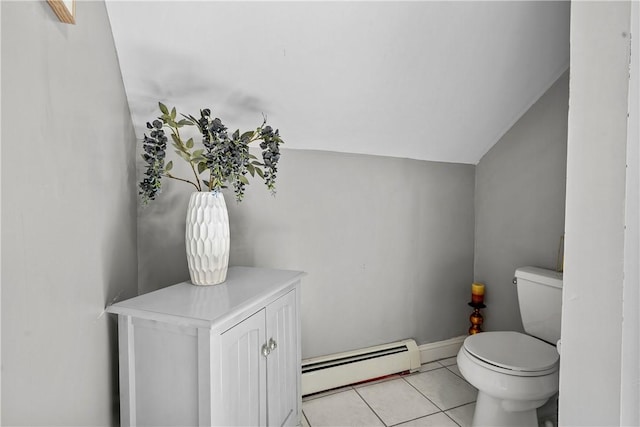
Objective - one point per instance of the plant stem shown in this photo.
(168, 175)
(198, 186)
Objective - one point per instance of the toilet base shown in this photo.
(491, 412)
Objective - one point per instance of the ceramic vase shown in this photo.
(207, 238)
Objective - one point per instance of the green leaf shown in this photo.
(185, 122)
(173, 113)
(163, 108)
(251, 169)
(248, 135)
(168, 166)
(243, 179)
(184, 155)
(202, 166)
(189, 143)
(259, 172)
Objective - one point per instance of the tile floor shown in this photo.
(437, 395)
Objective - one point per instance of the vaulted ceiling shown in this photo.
(426, 80)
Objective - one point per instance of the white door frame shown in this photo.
(630, 372)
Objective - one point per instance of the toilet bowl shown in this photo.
(514, 373)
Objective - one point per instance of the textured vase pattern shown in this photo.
(207, 238)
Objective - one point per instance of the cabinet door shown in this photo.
(243, 373)
(283, 362)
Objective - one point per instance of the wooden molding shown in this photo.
(65, 10)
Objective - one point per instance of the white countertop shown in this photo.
(204, 306)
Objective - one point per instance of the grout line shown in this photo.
(403, 377)
(305, 417)
(416, 389)
(454, 421)
(372, 410)
(456, 374)
(442, 410)
(456, 407)
(440, 361)
(417, 418)
(459, 406)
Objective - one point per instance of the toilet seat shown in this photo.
(513, 353)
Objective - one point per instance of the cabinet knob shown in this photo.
(272, 345)
(265, 350)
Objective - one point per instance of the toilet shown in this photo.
(517, 373)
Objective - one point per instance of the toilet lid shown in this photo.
(513, 351)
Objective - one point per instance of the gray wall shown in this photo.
(519, 203)
(68, 215)
(387, 244)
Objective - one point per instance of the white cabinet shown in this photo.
(227, 354)
(282, 385)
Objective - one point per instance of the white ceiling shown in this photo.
(427, 80)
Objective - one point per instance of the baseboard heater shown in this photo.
(340, 369)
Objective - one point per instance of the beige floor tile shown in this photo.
(463, 415)
(305, 422)
(444, 388)
(448, 361)
(455, 370)
(436, 420)
(396, 401)
(340, 409)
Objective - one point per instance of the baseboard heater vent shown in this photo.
(340, 369)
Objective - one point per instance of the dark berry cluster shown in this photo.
(270, 155)
(226, 157)
(154, 146)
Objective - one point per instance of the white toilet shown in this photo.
(515, 373)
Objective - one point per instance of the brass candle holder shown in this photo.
(476, 318)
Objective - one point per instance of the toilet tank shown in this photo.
(540, 299)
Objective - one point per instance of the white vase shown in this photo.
(207, 238)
